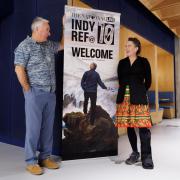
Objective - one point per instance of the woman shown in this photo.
(134, 74)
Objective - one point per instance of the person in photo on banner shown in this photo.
(35, 69)
(134, 75)
(89, 82)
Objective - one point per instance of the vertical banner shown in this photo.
(91, 54)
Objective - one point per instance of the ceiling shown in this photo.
(168, 11)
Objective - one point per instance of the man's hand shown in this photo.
(111, 89)
(22, 77)
(26, 88)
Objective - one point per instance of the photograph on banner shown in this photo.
(91, 54)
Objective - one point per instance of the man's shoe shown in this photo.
(49, 163)
(134, 157)
(34, 169)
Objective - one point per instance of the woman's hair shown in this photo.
(137, 44)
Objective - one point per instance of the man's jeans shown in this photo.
(40, 112)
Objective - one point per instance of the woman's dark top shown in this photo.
(137, 76)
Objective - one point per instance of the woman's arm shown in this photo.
(119, 72)
(148, 76)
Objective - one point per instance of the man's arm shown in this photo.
(22, 77)
(61, 45)
(21, 58)
(83, 81)
(101, 83)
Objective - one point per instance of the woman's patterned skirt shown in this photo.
(129, 115)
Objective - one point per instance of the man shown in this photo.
(35, 69)
(89, 83)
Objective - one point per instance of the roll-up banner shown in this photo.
(91, 53)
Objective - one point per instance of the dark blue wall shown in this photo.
(140, 20)
(6, 8)
(14, 27)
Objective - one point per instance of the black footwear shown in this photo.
(147, 163)
(134, 157)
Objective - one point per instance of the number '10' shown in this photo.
(106, 35)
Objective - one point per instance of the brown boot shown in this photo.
(34, 169)
(49, 163)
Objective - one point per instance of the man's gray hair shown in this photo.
(38, 22)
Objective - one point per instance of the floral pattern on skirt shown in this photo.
(129, 115)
